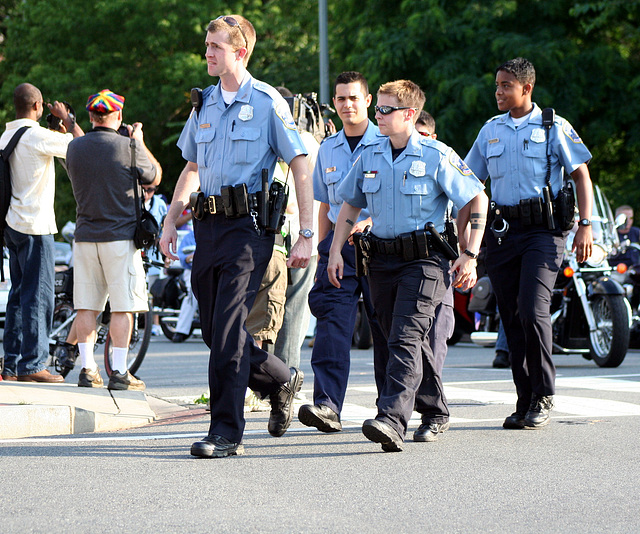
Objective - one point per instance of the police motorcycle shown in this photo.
(590, 314)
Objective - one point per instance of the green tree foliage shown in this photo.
(152, 51)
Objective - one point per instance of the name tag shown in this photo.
(370, 174)
(493, 141)
(205, 125)
(329, 170)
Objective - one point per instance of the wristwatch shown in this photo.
(584, 222)
(306, 232)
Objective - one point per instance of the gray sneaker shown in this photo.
(90, 379)
(123, 381)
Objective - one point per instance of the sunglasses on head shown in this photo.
(386, 110)
(426, 134)
(234, 24)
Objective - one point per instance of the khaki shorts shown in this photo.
(265, 318)
(110, 270)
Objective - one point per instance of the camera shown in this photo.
(55, 123)
(123, 130)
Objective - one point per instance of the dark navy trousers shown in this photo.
(405, 296)
(523, 271)
(228, 266)
(335, 311)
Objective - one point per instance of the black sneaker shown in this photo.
(90, 379)
(320, 416)
(501, 361)
(538, 414)
(430, 431)
(514, 422)
(282, 404)
(216, 447)
(123, 381)
(381, 432)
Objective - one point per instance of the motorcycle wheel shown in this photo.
(609, 343)
(140, 338)
(168, 324)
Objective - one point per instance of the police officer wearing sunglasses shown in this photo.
(241, 128)
(405, 181)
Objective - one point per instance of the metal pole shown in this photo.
(325, 96)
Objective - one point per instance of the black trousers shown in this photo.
(405, 296)
(523, 270)
(228, 266)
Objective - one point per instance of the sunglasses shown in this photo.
(234, 24)
(426, 134)
(150, 189)
(386, 110)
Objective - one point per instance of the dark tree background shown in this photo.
(587, 57)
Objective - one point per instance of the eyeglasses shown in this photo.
(386, 110)
(234, 24)
(149, 189)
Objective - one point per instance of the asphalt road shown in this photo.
(579, 474)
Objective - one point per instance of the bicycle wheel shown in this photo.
(63, 316)
(140, 338)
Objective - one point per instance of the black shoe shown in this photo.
(282, 404)
(501, 361)
(179, 337)
(430, 431)
(538, 414)
(381, 432)
(216, 447)
(320, 416)
(514, 422)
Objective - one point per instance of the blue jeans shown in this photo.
(30, 305)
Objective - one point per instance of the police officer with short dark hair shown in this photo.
(524, 157)
(406, 180)
(241, 128)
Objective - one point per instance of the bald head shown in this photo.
(25, 97)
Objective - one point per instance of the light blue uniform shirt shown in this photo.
(515, 158)
(232, 144)
(334, 161)
(403, 195)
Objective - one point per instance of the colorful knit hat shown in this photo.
(105, 102)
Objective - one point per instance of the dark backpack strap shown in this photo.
(6, 189)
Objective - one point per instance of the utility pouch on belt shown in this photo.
(548, 208)
(566, 207)
(525, 212)
(196, 201)
(536, 212)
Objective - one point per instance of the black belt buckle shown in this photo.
(211, 205)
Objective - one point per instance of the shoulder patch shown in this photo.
(571, 133)
(457, 162)
(495, 118)
(284, 114)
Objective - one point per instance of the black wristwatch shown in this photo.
(584, 222)
(472, 255)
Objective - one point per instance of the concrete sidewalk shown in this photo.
(36, 409)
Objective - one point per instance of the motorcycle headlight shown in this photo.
(598, 255)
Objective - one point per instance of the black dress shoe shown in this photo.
(514, 422)
(320, 416)
(381, 432)
(179, 337)
(538, 414)
(501, 361)
(282, 404)
(430, 431)
(215, 446)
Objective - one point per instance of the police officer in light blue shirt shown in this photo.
(242, 127)
(406, 181)
(525, 160)
(335, 308)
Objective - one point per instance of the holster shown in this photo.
(196, 201)
(362, 247)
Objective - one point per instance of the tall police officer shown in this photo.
(405, 180)
(243, 126)
(335, 308)
(522, 156)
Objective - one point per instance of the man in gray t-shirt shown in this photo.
(107, 263)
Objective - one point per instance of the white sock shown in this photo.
(87, 359)
(119, 359)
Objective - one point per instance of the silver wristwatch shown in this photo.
(306, 232)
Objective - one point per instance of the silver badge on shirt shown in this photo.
(246, 113)
(418, 168)
(538, 136)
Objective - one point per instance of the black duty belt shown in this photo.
(529, 211)
(215, 204)
(409, 246)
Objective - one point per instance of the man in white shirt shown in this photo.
(29, 235)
